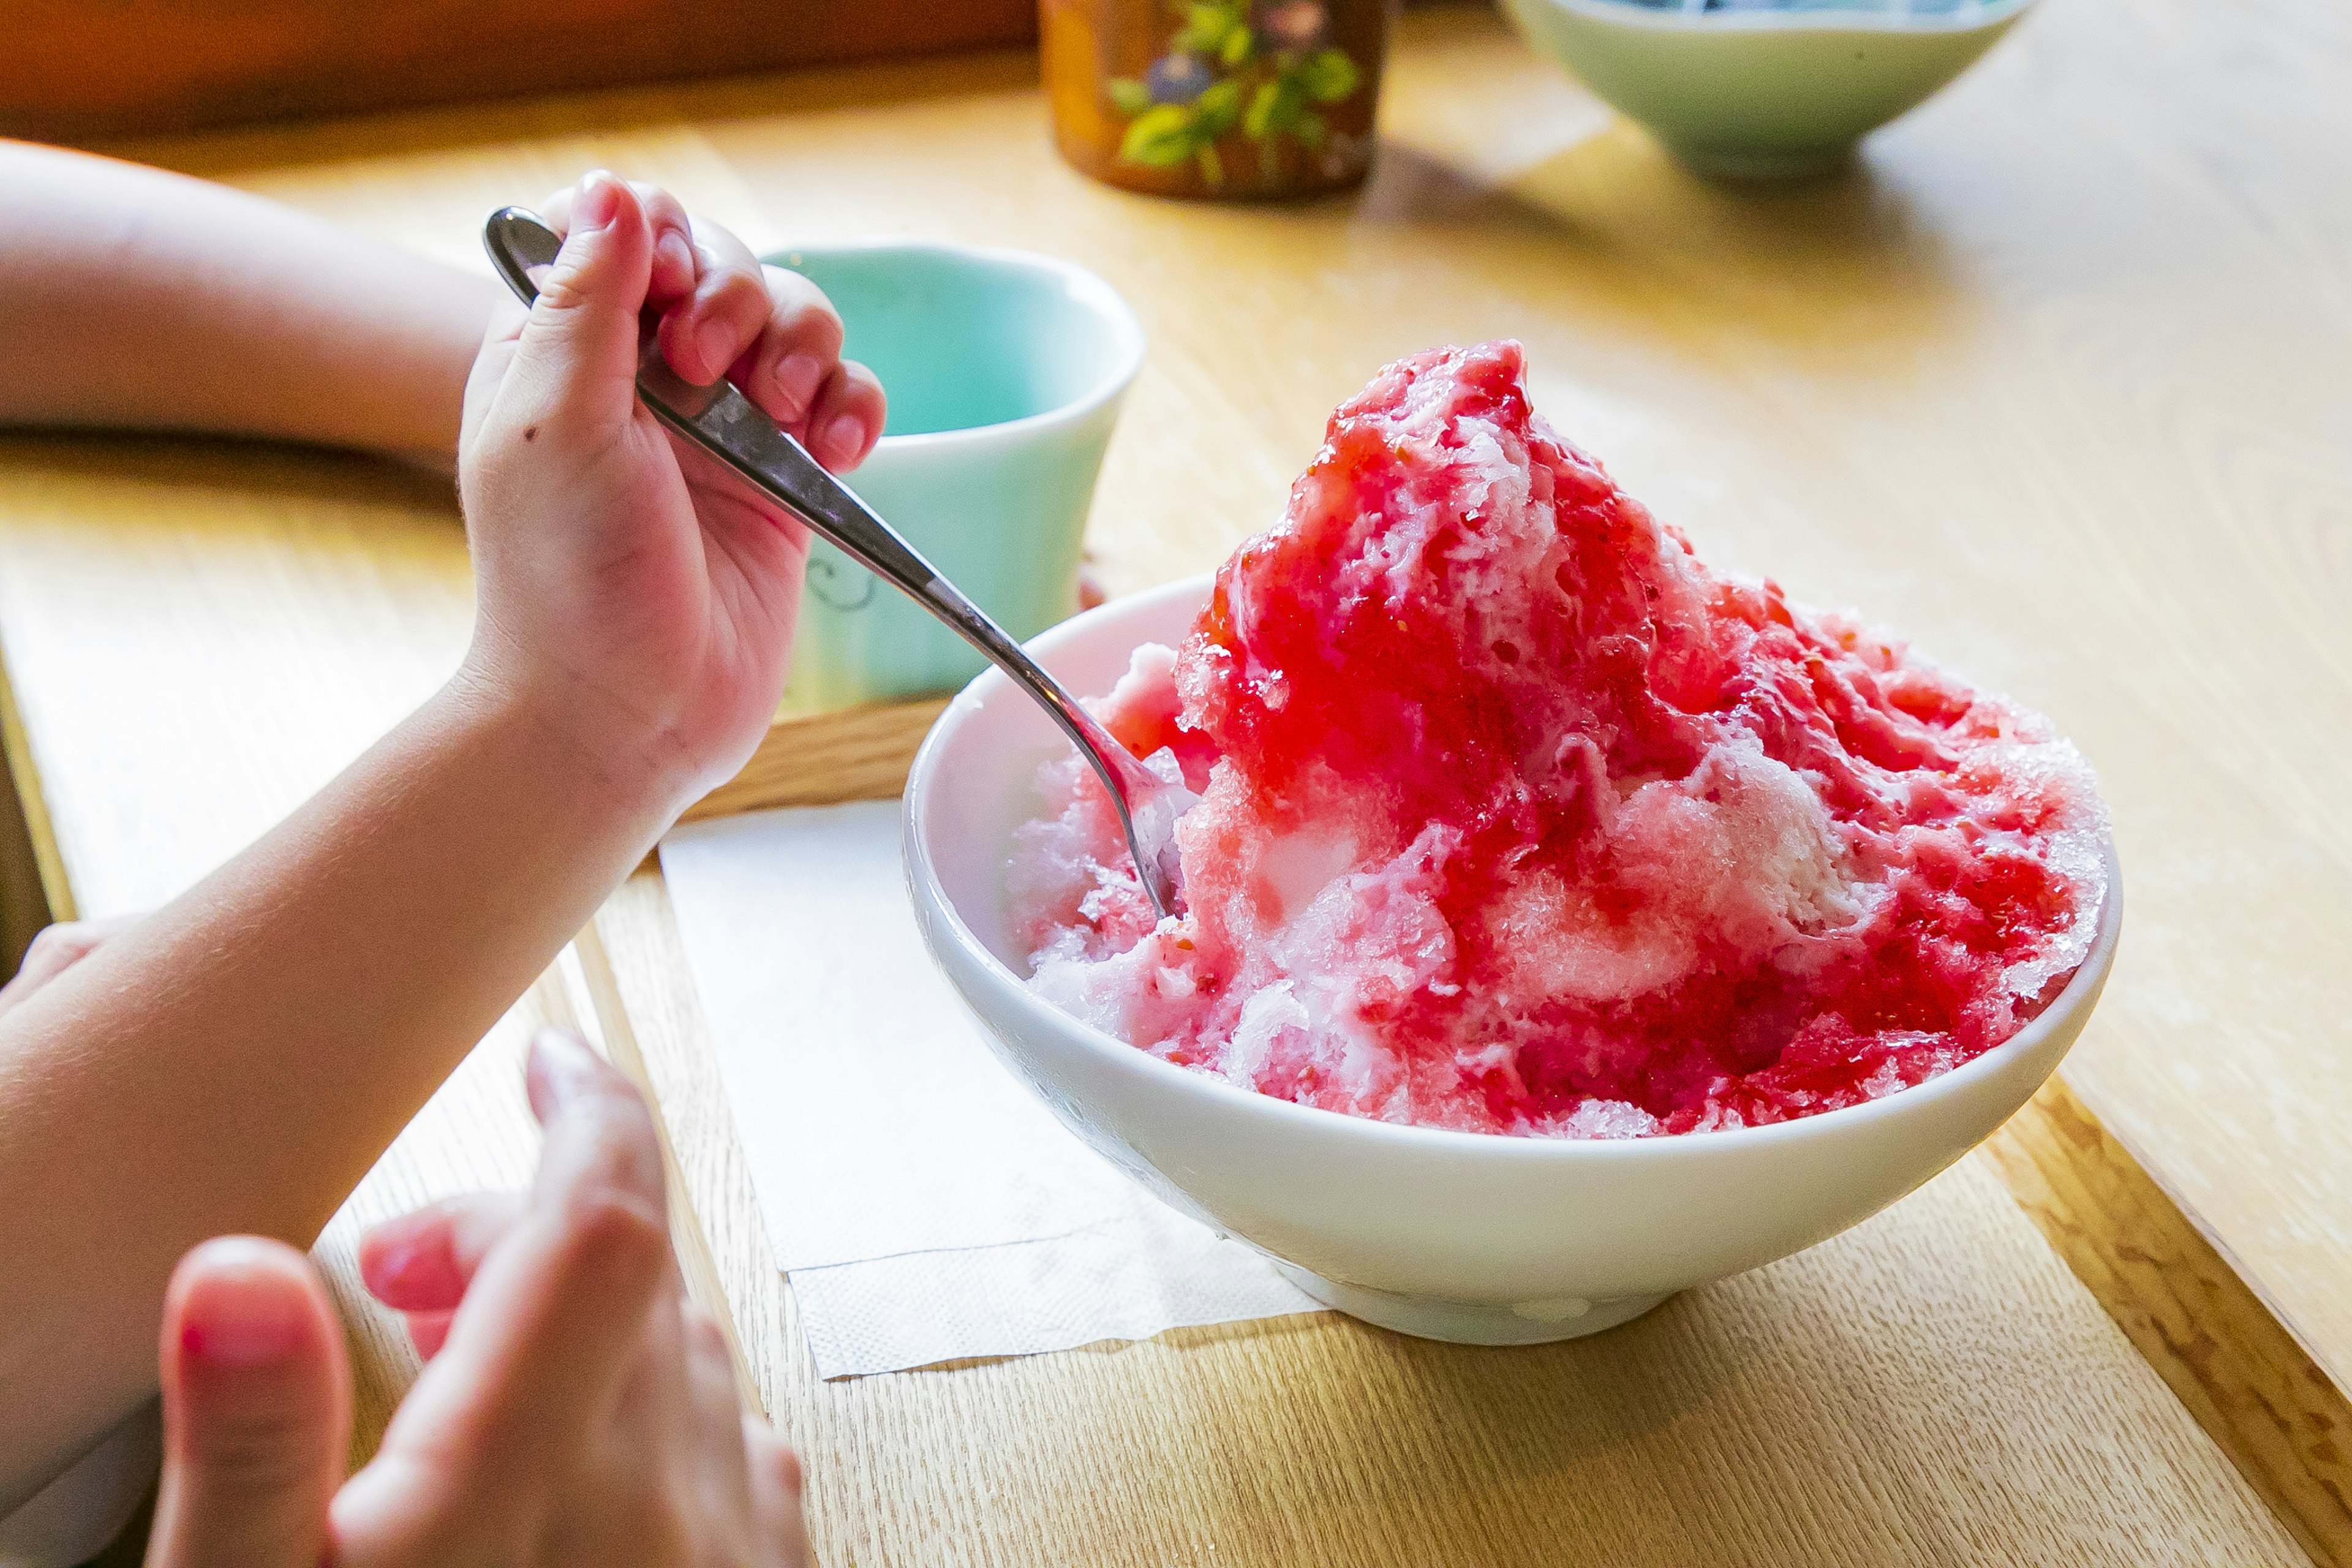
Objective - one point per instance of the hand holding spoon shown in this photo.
(722, 422)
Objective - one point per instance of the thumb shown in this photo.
(257, 1410)
(577, 360)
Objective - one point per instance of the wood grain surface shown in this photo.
(1887, 1398)
(2237, 1370)
(2054, 379)
(809, 759)
(2235, 1367)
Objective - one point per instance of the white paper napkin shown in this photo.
(923, 1204)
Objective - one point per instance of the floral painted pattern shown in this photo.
(1267, 69)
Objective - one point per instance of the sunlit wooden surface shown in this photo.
(2057, 382)
(1933, 1387)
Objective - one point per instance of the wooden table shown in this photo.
(2057, 381)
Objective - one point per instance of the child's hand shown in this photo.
(637, 599)
(580, 1412)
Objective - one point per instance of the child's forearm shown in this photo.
(133, 297)
(236, 1061)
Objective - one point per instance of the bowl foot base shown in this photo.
(1765, 164)
(1472, 1322)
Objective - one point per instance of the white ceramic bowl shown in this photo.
(1450, 1236)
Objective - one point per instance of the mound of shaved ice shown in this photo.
(1517, 817)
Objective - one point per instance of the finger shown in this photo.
(720, 1466)
(53, 950)
(705, 335)
(576, 359)
(675, 267)
(422, 1261)
(798, 349)
(509, 316)
(847, 419)
(257, 1410)
(654, 1415)
(428, 1331)
(635, 1478)
(673, 236)
(781, 1521)
(554, 1316)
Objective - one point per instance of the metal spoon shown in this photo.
(725, 424)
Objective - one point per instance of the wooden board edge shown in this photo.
(24, 771)
(817, 758)
(2224, 1354)
(639, 941)
(580, 993)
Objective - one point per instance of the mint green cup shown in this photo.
(1764, 89)
(1004, 371)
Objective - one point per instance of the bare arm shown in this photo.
(236, 1061)
(134, 298)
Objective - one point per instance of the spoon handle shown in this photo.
(724, 422)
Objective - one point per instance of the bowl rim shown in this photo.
(1628, 14)
(2077, 996)
(1089, 288)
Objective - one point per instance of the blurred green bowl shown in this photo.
(1764, 91)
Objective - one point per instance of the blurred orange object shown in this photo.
(79, 72)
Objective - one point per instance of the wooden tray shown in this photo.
(1830, 378)
(1933, 1386)
(816, 759)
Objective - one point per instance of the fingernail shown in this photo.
(676, 253)
(243, 1313)
(241, 1342)
(563, 1062)
(797, 376)
(600, 199)
(714, 340)
(396, 1265)
(844, 438)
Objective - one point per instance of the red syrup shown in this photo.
(1517, 817)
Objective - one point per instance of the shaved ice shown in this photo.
(1517, 817)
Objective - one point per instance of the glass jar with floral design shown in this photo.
(1219, 99)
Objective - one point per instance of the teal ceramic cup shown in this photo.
(1004, 371)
